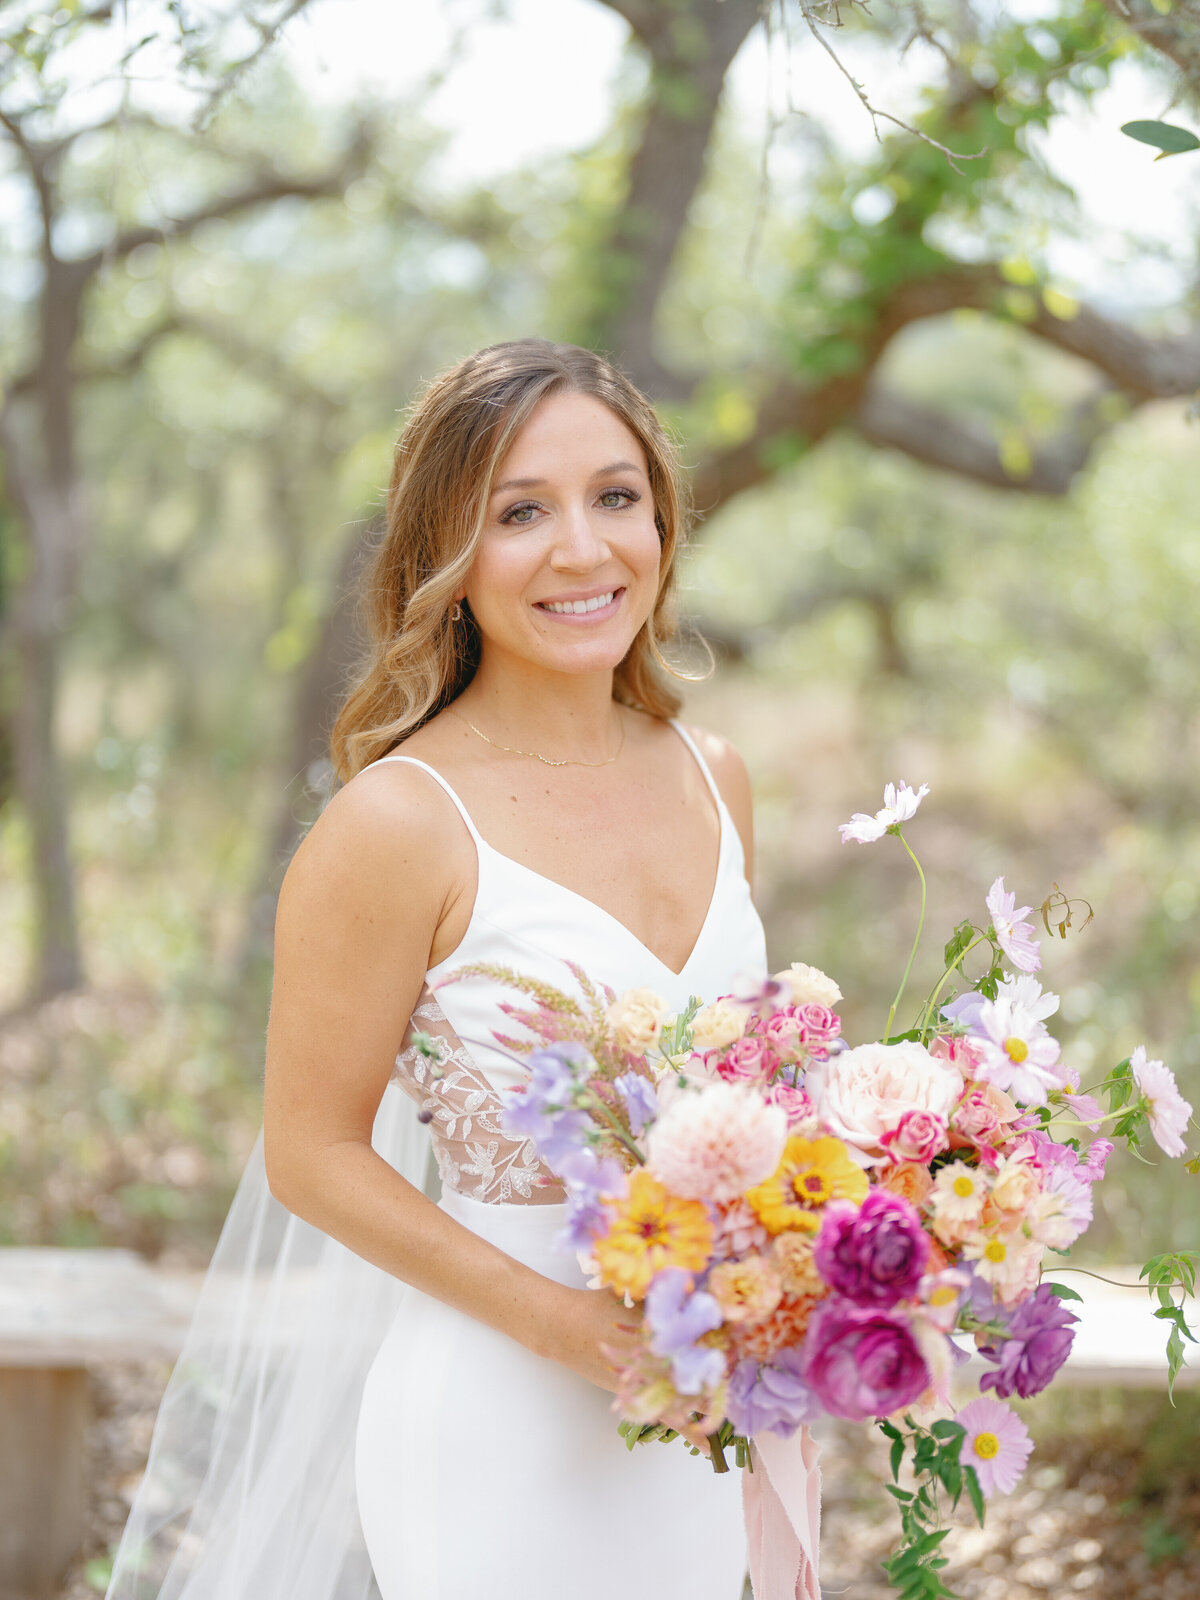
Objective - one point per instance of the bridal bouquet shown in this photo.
(809, 1225)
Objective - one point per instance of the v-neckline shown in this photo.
(610, 916)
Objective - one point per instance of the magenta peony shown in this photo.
(717, 1143)
(875, 1253)
(862, 1363)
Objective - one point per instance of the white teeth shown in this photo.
(577, 607)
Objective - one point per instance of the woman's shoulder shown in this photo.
(731, 778)
(388, 824)
(721, 758)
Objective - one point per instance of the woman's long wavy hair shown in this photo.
(420, 658)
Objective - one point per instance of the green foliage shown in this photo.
(915, 1567)
(1168, 139)
(1164, 1274)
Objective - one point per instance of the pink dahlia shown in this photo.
(1168, 1111)
(717, 1143)
(737, 1230)
(997, 1444)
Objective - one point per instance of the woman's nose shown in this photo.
(579, 545)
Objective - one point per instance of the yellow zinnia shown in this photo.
(812, 1172)
(652, 1229)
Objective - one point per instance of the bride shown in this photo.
(516, 794)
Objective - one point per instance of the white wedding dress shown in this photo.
(485, 1472)
(479, 1471)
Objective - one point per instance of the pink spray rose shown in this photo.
(748, 1060)
(918, 1136)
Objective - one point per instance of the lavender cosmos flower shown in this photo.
(677, 1319)
(641, 1102)
(1013, 936)
(875, 1253)
(1040, 1335)
(899, 804)
(773, 1398)
(861, 1362)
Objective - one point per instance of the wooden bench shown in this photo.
(63, 1311)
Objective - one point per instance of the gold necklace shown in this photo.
(537, 755)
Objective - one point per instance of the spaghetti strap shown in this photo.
(441, 782)
(700, 762)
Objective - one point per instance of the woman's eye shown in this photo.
(522, 515)
(615, 499)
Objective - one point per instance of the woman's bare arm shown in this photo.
(364, 906)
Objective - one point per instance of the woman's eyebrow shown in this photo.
(536, 483)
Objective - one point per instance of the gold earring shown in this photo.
(456, 612)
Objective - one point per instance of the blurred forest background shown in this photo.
(927, 323)
(938, 392)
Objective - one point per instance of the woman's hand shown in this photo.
(594, 1324)
(583, 1325)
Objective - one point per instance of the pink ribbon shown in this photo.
(781, 1502)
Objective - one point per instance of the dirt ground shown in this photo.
(1109, 1508)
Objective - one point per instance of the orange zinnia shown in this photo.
(652, 1229)
(812, 1173)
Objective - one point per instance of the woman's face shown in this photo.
(568, 564)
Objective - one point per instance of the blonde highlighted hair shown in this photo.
(423, 650)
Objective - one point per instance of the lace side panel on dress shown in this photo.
(474, 1154)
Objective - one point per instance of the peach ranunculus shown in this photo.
(1015, 1185)
(909, 1179)
(719, 1024)
(863, 1093)
(636, 1018)
(747, 1290)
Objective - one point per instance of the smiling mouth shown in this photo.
(580, 608)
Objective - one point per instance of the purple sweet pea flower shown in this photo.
(542, 1109)
(875, 1253)
(862, 1362)
(586, 1177)
(641, 1102)
(1040, 1335)
(676, 1320)
(772, 1398)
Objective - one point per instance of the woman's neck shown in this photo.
(567, 715)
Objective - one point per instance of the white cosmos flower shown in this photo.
(1019, 1054)
(1169, 1112)
(899, 803)
(1013, 936)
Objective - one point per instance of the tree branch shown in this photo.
(939, 439)
(793, 415)
(690, 51)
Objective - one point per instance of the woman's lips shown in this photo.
(583, 611)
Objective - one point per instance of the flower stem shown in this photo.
(887, 1033)
(598, 1105)
(931, 1003)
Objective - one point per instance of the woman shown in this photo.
(515, 794)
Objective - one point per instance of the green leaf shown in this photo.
(1062, 1291)
(1164, 136)
(897, 1456)
(944, 1428)
(975, 1493)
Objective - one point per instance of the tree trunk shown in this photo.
(36, 631)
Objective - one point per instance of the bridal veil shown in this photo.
(249, 1489)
